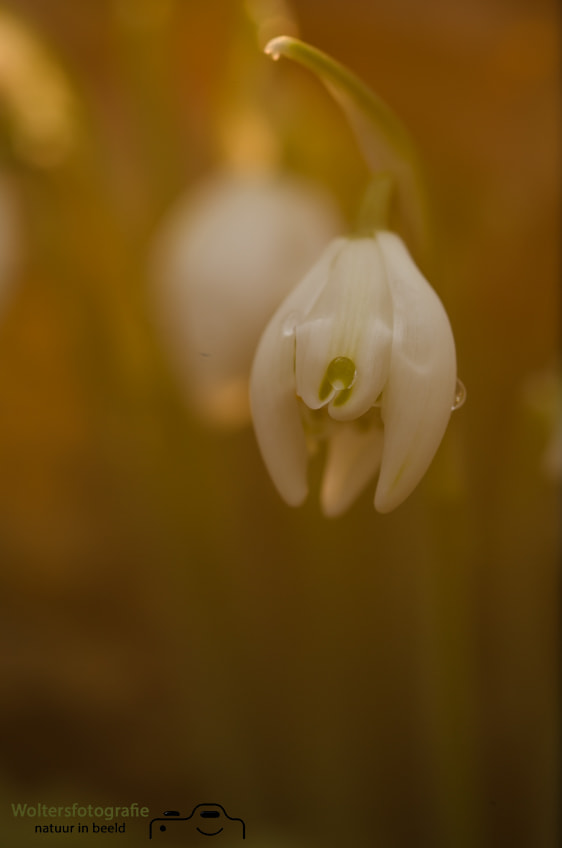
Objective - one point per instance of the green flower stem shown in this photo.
(384, 141)
(374, 213)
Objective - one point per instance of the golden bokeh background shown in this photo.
(172, 633)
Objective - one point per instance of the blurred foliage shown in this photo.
(171, 632)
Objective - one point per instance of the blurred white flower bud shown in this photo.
(223, 262)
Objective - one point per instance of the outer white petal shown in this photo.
(276, 416)
(351, 318)
(354, 455)
(274, 402)
(417, 401)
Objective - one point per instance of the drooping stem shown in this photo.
(374, 212)
(385, 142)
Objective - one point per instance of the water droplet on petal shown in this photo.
(460, 395)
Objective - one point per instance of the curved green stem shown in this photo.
(384, 141)
(374, 212)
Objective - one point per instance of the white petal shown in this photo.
(276, 416)
(354, 455)
(352, 319)
(274, 402)
(417, 401)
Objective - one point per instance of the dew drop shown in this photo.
(460, 395)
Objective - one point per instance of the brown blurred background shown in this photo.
(172, 633)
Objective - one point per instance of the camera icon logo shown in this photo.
(204, 820)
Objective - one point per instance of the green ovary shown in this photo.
(340, 376)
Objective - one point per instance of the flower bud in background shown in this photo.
(223, 263)
(360, 356)
(238, 243)
(35, 96)
(542, 399)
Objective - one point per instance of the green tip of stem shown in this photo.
(278, 46)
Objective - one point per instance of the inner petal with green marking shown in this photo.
(339, 377)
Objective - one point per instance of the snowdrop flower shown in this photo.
(360, 357)
(224, 262)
